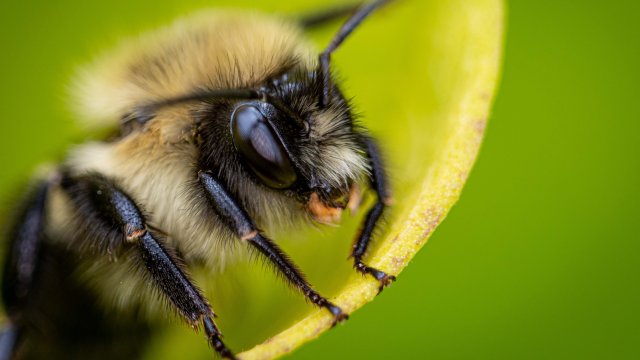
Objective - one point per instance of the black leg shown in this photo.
(117, 222)
(21, 268)
(379, 183)
(346, 30)
(245, 229)
(8, 342)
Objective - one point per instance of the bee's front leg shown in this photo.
(379, 184)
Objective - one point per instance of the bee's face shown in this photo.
(293, 144)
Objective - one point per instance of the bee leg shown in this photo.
(105, 205)
(21, 269)
(8, 342)
(237, 219)
(378, 182)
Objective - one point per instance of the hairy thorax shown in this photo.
(157, 163)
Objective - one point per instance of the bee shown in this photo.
(223, 124)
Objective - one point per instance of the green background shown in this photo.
(540, 257)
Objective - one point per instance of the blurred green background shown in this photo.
(540, 257)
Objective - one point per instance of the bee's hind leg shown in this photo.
(363, 240)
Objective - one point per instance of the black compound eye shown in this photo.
(260, 147)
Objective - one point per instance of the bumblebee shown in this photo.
(224, 124)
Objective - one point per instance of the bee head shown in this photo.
(283, 134)
(286, 139)
(293, 132)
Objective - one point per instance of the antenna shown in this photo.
(346, 30)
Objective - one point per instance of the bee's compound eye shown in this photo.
(260, 147)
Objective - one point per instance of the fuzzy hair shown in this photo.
(157, 163)
(211, 48)
(333, 149)
(214, 49)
